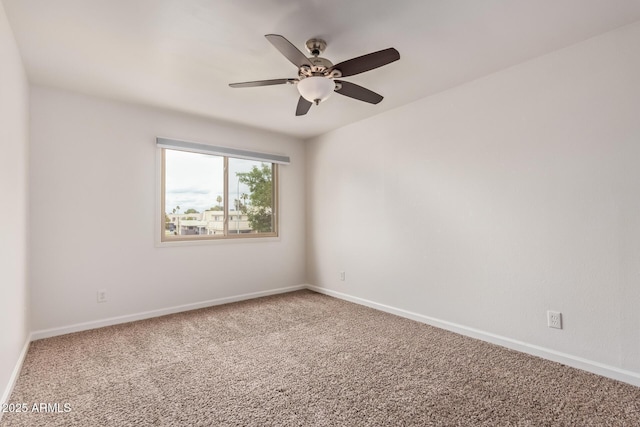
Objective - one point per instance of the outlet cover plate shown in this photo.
(102, 295)
(554, 319)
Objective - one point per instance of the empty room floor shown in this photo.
(302, 359)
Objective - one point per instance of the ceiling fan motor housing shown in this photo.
(319, 66)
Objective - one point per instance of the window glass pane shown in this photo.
(251, 204)
(194, 193)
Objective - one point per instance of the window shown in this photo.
(212, 196)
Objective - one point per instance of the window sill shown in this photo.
(207, 242)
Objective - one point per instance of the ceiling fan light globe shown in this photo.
(316, 88)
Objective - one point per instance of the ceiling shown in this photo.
(182, 54)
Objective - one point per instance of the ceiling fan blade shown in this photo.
(358, 92)
(288, 50)
(303, 107)
(263, 83)
(367, 62)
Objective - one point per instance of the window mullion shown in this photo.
(226, 197)
(274, 198)
(163, 208)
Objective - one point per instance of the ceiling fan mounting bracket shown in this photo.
(316, 46)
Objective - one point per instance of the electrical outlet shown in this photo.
(554, 319)
(102, 295)
(342, 276)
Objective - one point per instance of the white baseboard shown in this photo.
(6, 395)
(47, 333)
(535, 350)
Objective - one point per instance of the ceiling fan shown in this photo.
(317, 76)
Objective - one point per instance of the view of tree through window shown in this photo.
(194, 196)
(253, 195)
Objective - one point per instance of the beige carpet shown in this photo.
(303, 359)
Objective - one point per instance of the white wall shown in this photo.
(488, 204)
(93, 205)
(14, 144)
